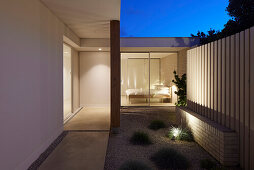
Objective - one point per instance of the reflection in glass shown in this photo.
(135, 79)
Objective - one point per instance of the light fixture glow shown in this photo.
(176, 132)
(99, 49)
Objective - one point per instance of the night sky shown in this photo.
(171, 18)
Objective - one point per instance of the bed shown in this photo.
(159, 92)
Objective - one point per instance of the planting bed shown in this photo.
(120, 149)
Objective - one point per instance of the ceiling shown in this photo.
(87, 18)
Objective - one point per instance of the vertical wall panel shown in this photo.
(223, 81)
(197, 55)
(237, 82)
(219, 82)
(200, 79)
(252, 98)
(232, 82)
(191, 79)
(237, 87)
(242, 86)
(194, 77)
(227, 83)
(247, 97)
(197, 82)
(215, 81)
(203, 78)
(208, 80)
(196, 69)
(187, 76)
(212, 81)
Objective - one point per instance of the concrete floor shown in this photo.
(90, 119)
(85, 145)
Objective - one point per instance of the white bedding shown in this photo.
(161, 91)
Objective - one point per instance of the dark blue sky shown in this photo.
(171, 18)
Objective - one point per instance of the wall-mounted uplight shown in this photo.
(65, 52)
(99, 49)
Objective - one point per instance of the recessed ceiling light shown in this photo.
(99, 49)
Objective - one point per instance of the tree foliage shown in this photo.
(180, 82)
(242, 13)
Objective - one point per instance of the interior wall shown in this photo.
(168, 65)
(138, 73)
(67, 81)
(75, 80)
(155, 72)
(94, 79)
(124, 74)
(31, 93)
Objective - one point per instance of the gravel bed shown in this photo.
(138, 118)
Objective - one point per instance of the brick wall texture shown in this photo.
(221, 142)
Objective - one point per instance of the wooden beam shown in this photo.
(115, 64)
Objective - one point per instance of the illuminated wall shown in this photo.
(67, 81)
(220, 86)
(94, 79)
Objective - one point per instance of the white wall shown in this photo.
(67, 81)
(75, 80)
(94, 79)
(31, 93)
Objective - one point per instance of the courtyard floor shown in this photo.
(138, 118)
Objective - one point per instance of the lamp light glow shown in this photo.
(176, 132)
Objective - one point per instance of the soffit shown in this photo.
(87, 18)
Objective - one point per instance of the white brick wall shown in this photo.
(220, 142)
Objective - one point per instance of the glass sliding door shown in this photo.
(146, 79)
(67, 85)
(135, 79)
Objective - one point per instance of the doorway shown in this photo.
(146, 79)
(67, 82)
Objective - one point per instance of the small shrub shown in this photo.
(134, 165)
(140, 138)
(156, 124)
(168, 158)
(180, 82)
(207, 164)
(219, 168)
(183, 134)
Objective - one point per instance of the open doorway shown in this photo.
(67, 82)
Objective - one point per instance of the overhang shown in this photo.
(87, 18)
(170, 44)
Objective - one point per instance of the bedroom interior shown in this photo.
(146, 79)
